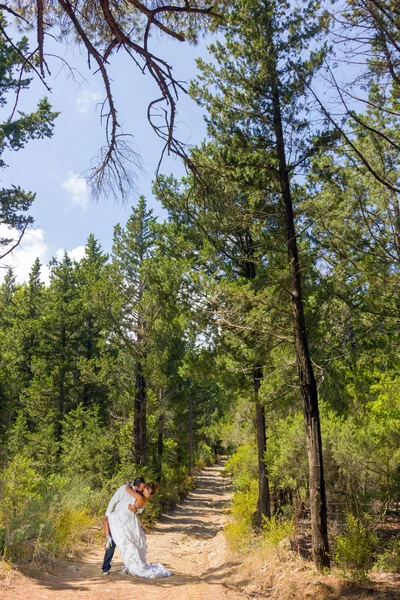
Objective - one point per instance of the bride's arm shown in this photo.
(140, 500)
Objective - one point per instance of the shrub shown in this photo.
(6, 570)
(240, 531)
(244, 461)
(200, 463)
(389, 560)
(73, 527)
(19, 482)
(86, 443)
(205, 453)
(52, 523)
(354, 548)
(276, 531)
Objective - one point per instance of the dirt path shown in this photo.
(189, 541)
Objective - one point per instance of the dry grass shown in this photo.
(6, 572)
(286, 576)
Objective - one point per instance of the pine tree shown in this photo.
(93, 327)
(256, 95)
(132, 246)
(60, 343)
(226, 232)
(16, 132)
(28, 312)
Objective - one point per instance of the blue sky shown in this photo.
(53, 168)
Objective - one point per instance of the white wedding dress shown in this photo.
(130, 540)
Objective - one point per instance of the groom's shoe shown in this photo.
(106, 572)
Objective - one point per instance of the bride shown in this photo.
(130, 538)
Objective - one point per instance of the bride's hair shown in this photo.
(152, 487)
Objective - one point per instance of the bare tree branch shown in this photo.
(17, 243)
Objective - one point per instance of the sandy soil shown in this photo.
(188, 541)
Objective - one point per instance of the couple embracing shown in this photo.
(122, 530)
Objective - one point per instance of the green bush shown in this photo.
(354, 548)
(240, 531)
(20, 481)
(242, 466)
(86, 443)
(73, 527)
(55, 519)
(200, 463)
(389, 560)
(205, 453)
(243, 462)
(276, 531)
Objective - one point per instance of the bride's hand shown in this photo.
(132, 507)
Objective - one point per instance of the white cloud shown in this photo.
(33, 246)
(78, 190)
(85, 99)
(75, 254)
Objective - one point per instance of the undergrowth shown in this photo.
(355, 549)
(53, 518)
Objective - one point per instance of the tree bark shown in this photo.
(160, 437)
(190, 432)
(264, 502)
(61, 387)
(140, 416)
(88, 355)
(308, 387)
(140, 407)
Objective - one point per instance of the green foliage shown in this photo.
(19, 482)
(389, 559)
(275, 532)
(68, 377)
(44, 518)
(205, 453)
(242, 466)
(86, 447)
(17, 129)
(286, 453)
(240, 531)
(354, 548)
(72, 527)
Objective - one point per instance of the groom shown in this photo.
(121, 495)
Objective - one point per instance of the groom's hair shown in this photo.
(138, 481)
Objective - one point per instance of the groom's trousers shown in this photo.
(108, 557)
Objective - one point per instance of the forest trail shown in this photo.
(189, 541)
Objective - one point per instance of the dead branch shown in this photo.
(130, 29)
(17, 243)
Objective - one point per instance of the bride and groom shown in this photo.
(122, 530)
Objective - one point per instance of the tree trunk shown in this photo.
(61, 387)
(190, 432)
(396, 210)
(140, 416)
(88, 355)
(160, 438)
(264, 502)
(308, 387)
(140, 407)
